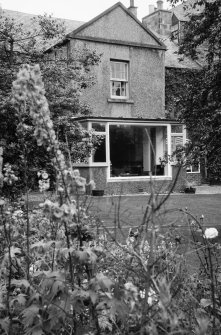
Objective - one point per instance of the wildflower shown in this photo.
(210, 233)
(44, 175)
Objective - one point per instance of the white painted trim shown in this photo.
(138, 178)
(169, 149)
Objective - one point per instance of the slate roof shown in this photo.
(26, 20)
(173, 59)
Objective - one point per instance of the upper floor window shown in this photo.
(119, 79)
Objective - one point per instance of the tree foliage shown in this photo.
(65, 80)
(201, 104)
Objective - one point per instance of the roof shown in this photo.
(118, 4)
(27, 21)
(72, 27)
(125, 120)
(181, 11)
(174, 60)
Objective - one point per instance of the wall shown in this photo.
(98, 175)
(159, 21)
(146, 81)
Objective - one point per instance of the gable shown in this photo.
(117, 24)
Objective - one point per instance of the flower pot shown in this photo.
(190, 190)
(98, 193)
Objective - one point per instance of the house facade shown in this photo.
(128, 104)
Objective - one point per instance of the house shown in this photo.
(128, 104)
(169, 27)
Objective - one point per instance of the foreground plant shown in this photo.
(59, 276)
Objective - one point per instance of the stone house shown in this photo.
(128, 103)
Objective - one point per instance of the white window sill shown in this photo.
(120, 100)
(138, 178)
(98, 164)
(193, 172)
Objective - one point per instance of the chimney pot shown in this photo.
(132, 8)
(131, 3)
(160, 4)
(151, 9)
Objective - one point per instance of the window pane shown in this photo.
(195, 167)
(135, 150)
(175, 142)
(119, 88)
(98, 126)
(176, 128)
(119, 70)
(99, 155)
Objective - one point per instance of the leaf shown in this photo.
(20, 283)
(29, 315)
(93, 296)
(36, 330)
(5, 324)
(20, 299)
(205, 302)
(82, 256)
(15, 251)
(104, 282)
(104, 323)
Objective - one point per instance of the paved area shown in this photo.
(207, 189)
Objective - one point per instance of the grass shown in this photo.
(130, 209)
(127, 212)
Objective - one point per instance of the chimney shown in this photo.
(159, 4)
(132, 8)
(151, 9)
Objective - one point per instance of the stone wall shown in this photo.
(98, 174)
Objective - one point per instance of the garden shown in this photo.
(73, 264)
(63, 271)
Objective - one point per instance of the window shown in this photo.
(99, 154)
(193, 168)
(135, 150)
(119, 79)
(177, 140)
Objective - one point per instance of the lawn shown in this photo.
(128, 211)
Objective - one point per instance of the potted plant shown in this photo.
(98, 193)
(189, 188)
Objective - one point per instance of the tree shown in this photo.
(64, 79)
(201, 110)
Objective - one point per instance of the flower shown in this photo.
(210, 233)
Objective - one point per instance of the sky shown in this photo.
(79, 10)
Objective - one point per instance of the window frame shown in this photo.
(119, 80)
(138, 178)
(99, 133)
(191, 168)
(172, 134)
